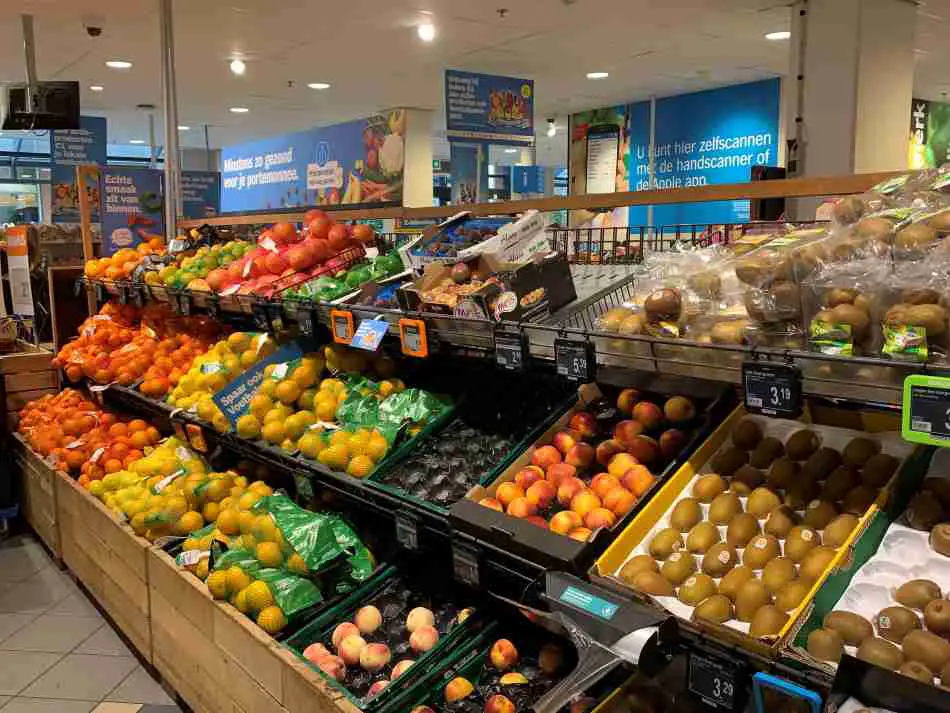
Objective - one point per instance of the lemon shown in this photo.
(264, 528)
(238, 341)
(296, 565)
(288, 391)
(211, 511)
(268, 554)
(245, 523)
(295, 426)
(305, 375)
(240, 602)
(260, 405)
(306, 399)
(335, 457)
(325, 408)
(229, 522)
(271, 620)
(259, 596)
(218, 584)
(248, 426)
(248, 358)
(310, 444)
(274, 432)
(201, 569)
(360, 466)
(237, 579)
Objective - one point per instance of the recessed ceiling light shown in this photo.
(598, 75)
(136, 141)
(237, 66)
(426, 31)
(182, 127)
(781, 35)
(552, 128)
(318, 85)
(511, 150)
(239, 110)
(118, 64)
(96, 88)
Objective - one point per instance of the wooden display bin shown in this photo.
(37, 494)
(108, 559)
(27, 374)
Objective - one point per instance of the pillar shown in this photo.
(417, 176)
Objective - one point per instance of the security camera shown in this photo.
(93, 24)
(552, 127)
(93, 31)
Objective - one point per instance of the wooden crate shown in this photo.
(37, 494)
(27, 375)
(108, 559)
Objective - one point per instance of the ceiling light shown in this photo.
(118, 64)
(237, 66)
(96, 88)
(511, 150)
(782, 35)
(239, 110)
(318, 85)
(598, 75)
(182, 127)
(426, 31)
(552, 127)
(136, 141)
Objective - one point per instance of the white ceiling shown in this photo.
(369, 52)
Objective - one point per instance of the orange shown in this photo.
(118, 429)
(137, 425)
(153, 435)
(119, 450)
(75, 458)
(139, 439)
(112, 465)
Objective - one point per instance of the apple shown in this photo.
(546, 456)
(607, 450)
(558, 472)
(672, 442)
(626, 431)
(584, 423)
(580, 456)
(626, 400)
(649, 414)
(644, 449)
(568, 489)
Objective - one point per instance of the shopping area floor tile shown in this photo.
(21, 557)
(105, 642)
(46, 705)
(140, 687)
(3, 699)
(75, 605)
(82, 677)
(38, 592)
(12, 622)
(159, 709)
(18, 669)
(57, 634)
(111, 707)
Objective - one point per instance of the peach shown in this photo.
(638, 480)
(546, 456)
(649, 414)
(332, 666)
(565, 521)
(620, 464)
(679, 409)
(607, 450)
(584, 423)
(626, 400)
(537, 520)
(603, 483)
(513, 679)
(541, 494)
(672, 442)
(368, 619)
(315, 651)
(550, 658)
(374, 657)
(351, 648)
(584, 502)
(528, 476)
(644, 449)
(376, 688)
(599, 517)
(499, 704)
(521, 507)
(619, 501)
(457, 689)
(491, 503)
(423, 639)
(581, 534)
(626, 431)
(342, 631)
(503, 655)
(565, 440)
(580, 456)
(419, 617)
(568, 488)
(558, 472)
(507, 492)
(400, 668)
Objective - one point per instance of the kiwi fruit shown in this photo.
(746, 434)
(859, 499)
(686, 513)
(878, 469)
(821, 463)
(880, 653)
(848, 210)
(782, 473)
(815, 563)
(945, 675)
(733, 580)
(857, 317)
(801, 540)
(777, 573)
(650, 582)
(635, 565)
(859, 450)
(716, 609)
(742, 529)
(917, 671)
(752, 596)
(839, 296)
(818, 513)
(918, 593)
(703, 536)
(719, 559)
(678, 567)
(724, 508)
(937, 617)
(760, 550)
(800, 493)
(746, 479)
(696, 589)
(925, 511)
(708, 487)
(852, 628)
(767, 621)
(933, 318)
(766, 452)
(792, 595)
(802, 444)
(780, 521)
(663, 305)
(920, 296)
(894, 623)
(825, 645)
(761, 502)
(838, 530)
(927, 648)
(839, 483)
(729, 461)
(665, 543)
(940, 539)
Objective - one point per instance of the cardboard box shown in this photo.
(519, 241)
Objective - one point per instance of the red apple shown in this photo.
(565, 440)
(546, 456)
(649, 414)
(584, 423)
(626, 431)
(568, 488)
(607, 450)
(672, 442)
(275, 263)
(558, 472)
(644, 449)
(580, 456)
(528, 476)
(626, 400)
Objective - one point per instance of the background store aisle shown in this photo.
(57, 653)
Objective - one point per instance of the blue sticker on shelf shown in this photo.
(234, 398)
(370, 334)
(590, 603)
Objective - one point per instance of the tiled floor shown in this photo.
(57, 653)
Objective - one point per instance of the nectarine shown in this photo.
(342, 631)
(584, 502)
(545, 456)
(350, 649)
(332, 666)
(626, 431)
(374, 657)
(565, 440)
(541, 494)
(499, 704)
(424, 638)
(626, 400)
(581, 534)
(603, 483)
(513, 678)
(521, 507)
(503, 655)
(619, 501)
(376, 688)
(558, 472)
(568, 489)
(679, 409)
(315, 651)
(607, 450)
(491, 503)
(565, 521)
(507, 492)
(584, 423)
(599, 517)
(644, 449)
(419, 617)
(457, 689)
(537, 521)
(638, 480)
(672, 442)
(580, 456)
(368, 619)
(527, 476)
(620, 464)
(649, 414)
(400, 668)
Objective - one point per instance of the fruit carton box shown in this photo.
(637, 538)
(545, 547)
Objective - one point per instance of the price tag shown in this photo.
(465, 564)
(925, 415)
(509, 349)
(412, 337)
(341, 323)
(370, 334)
(712, 681)
(574, 359)
(772, 388)
(305, 321)
(407, 531)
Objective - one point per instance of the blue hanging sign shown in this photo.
(200, 194)
(132, 207)
(71, 148)
(488, 108)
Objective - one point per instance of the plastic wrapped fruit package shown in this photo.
(899, 193)
(915, 311)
